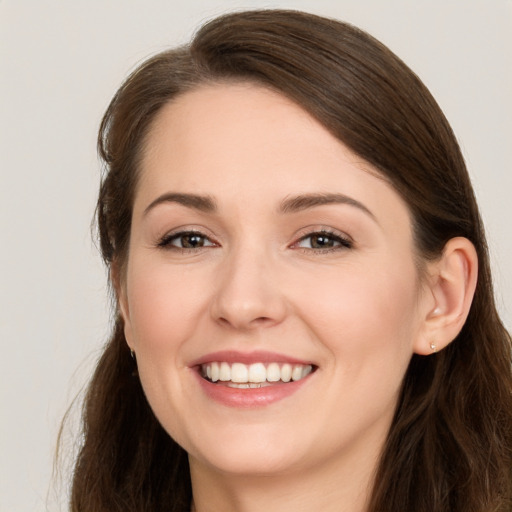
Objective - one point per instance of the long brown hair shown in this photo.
(449, 448)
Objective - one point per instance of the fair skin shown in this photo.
(257, 237)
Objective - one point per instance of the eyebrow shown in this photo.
(294, 204)
(197, 202)
(304, 202)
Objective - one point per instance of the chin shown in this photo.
(251, 463)
(250, 451)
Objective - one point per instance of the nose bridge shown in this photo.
(248, 293)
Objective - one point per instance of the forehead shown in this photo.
(242, 142)
(232, 122)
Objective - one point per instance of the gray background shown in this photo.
(60, 64)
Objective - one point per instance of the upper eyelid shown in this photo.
(176, 233)
(199, 230)
(328, 234)
(312, 230)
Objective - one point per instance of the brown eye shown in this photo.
(324, 241)
(186, 240)
(191, 241)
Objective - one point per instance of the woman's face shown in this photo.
(271, 293)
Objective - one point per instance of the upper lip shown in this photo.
(258, 356)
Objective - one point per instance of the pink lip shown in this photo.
(252, 397)
(258, 356)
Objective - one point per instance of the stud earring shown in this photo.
(433, 347)
(132, 353)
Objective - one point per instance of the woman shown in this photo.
(305, 315)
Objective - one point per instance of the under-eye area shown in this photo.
(256, 375)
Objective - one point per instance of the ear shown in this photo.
(119, 286)
(451, 283)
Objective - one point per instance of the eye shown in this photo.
(324, 241)
(188, 240)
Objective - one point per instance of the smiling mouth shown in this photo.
(256, 375)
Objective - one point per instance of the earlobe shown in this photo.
(452, 285)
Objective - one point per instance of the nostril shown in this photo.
(239, 323)
(262, 319)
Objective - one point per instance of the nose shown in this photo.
(248, 294)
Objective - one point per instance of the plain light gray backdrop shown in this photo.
(60, 64)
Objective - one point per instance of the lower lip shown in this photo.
(250, 397)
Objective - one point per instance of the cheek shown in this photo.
(368, 324)
(365, 314)
(164, 303)
(164, 310)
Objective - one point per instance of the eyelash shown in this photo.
(166, 241)
(342, 242)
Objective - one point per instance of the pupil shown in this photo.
(192, 241)
(320, 241)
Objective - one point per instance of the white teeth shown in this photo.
(255, 375)
(306, 370)
(224, 372)
(215, 372)
(297, 372)
(239, 372)
(286, 372)
(247, 385)
(273, 372)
